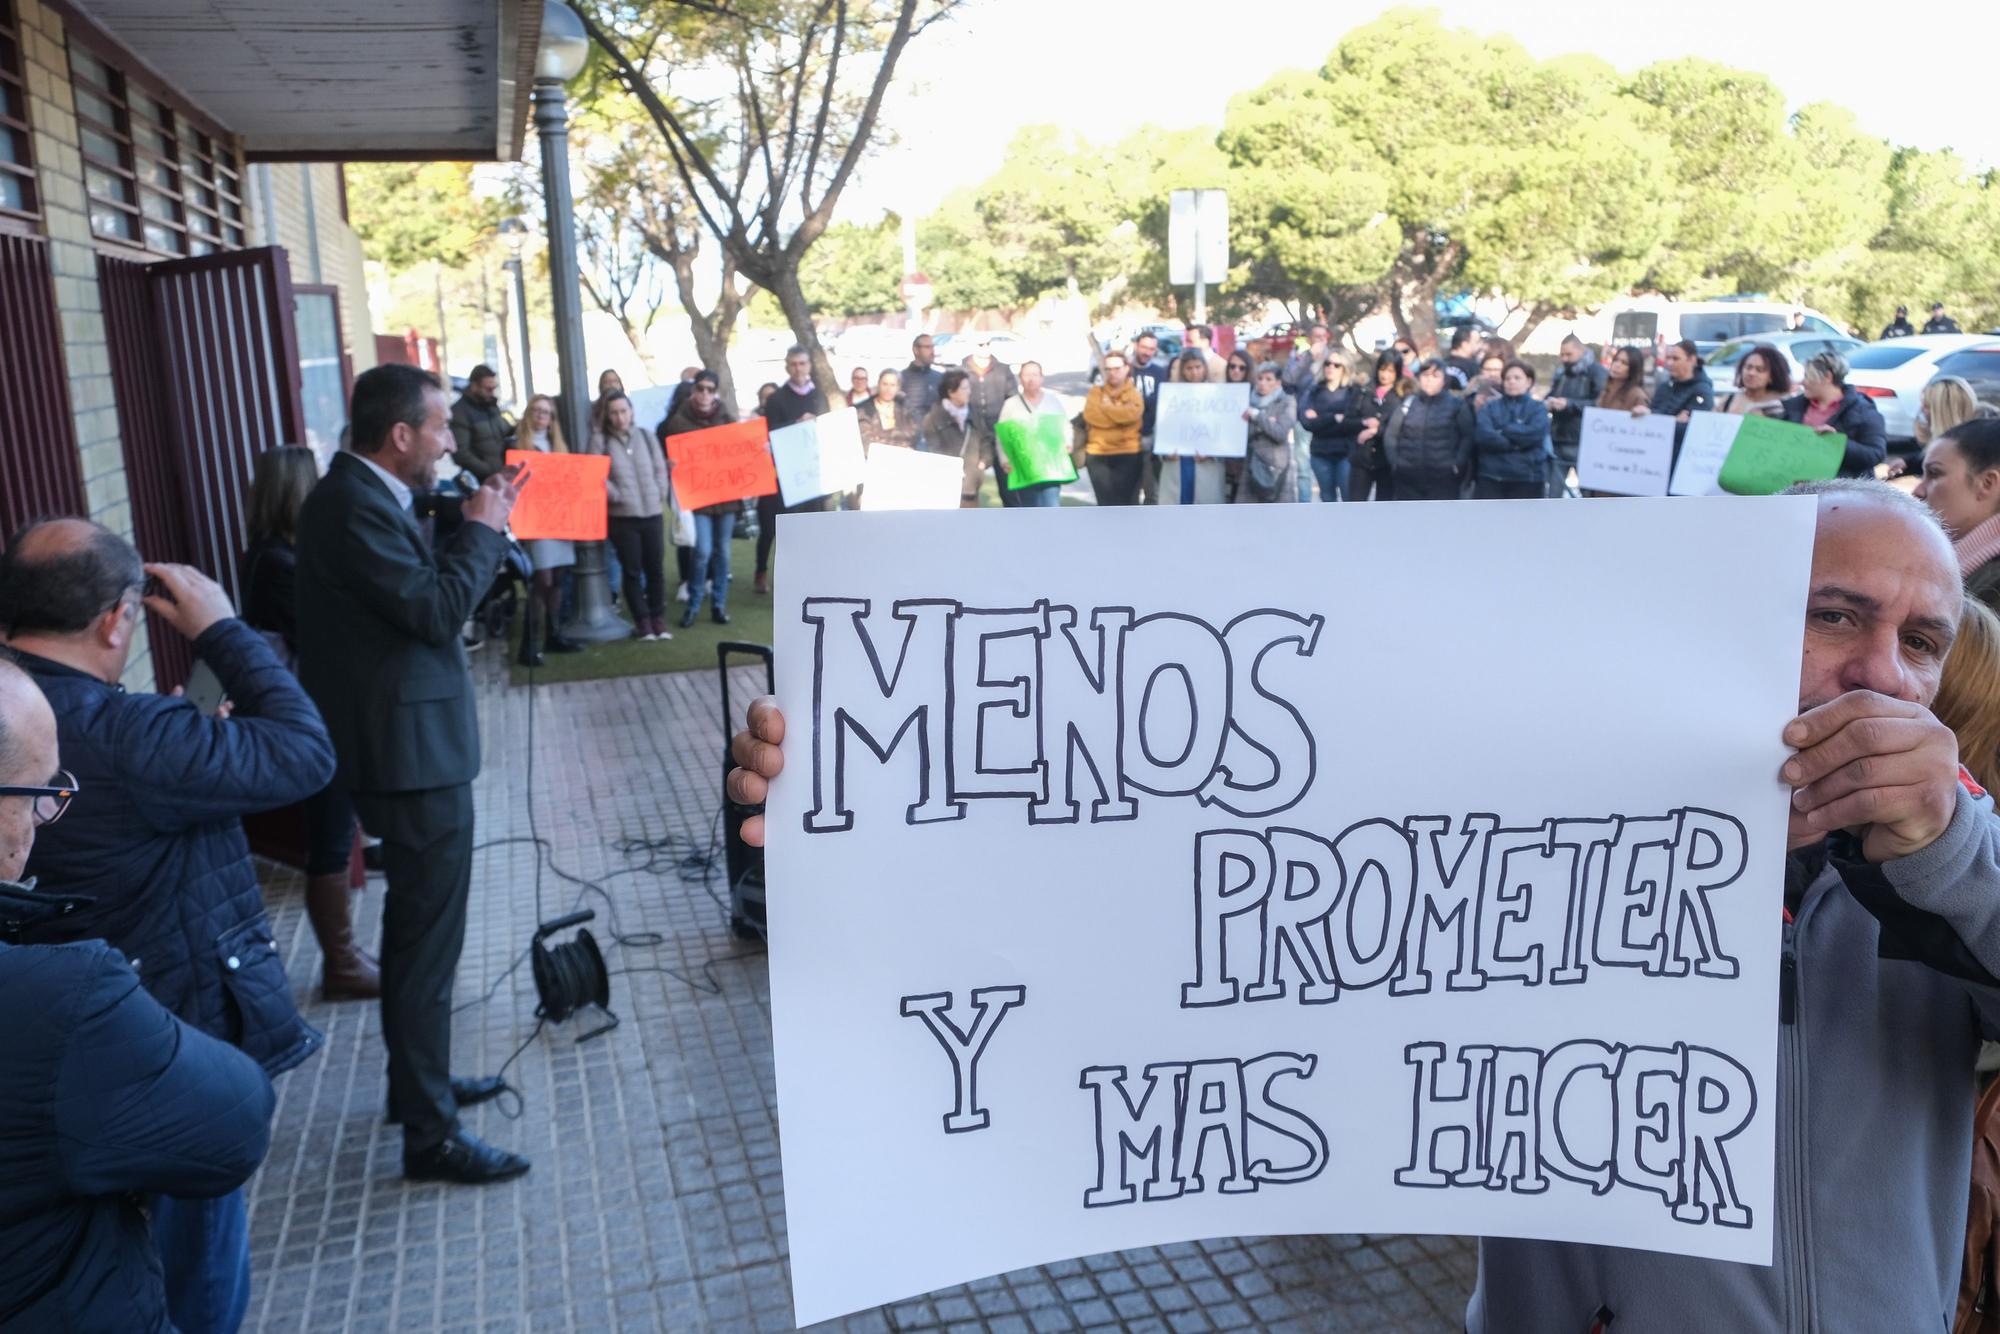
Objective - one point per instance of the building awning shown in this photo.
(342, 80)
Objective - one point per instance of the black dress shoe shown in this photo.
(471, 1092)
(464, 1160)
(561, 644)
(466, 1093)
(687, 617)
(721, 616)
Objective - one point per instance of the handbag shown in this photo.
(1261, 475)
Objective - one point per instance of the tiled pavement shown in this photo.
(656, 1202)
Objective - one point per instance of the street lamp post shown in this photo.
(515, 232)
(565, 47)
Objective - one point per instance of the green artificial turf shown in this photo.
(692, 649)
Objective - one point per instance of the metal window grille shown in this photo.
(155, 178)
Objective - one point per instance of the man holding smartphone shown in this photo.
(157, 846)
(379, 616)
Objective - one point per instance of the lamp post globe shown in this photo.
(565, 45)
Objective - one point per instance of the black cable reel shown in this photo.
(571, 974)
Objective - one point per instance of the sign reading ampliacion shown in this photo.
(1210, 892)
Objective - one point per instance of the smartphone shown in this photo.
(204, 689)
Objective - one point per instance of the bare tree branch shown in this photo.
(687, 155)
(815, 221)
(825, 105)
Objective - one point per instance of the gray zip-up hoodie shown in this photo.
(1887, 983)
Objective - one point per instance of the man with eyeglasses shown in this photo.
(105, 1098)
(157, 847)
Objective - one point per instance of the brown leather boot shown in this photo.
(349, 974)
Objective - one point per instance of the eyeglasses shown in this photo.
(49, 802)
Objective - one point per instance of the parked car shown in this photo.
(1710, 324)
(872, 347)
(1277, 338)
(1978, 366)
(1894, 372)
(1798, 349)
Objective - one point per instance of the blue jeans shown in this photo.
(1332, 475)
(712, 535)
(205, 1253)
(1042, 495)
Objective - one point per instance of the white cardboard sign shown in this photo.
(897, 478)
(1099, 918)
(1625, 455)
(819, 457)
(1205, 419)
(1704, 449)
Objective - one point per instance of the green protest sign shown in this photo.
(1769, 455)
(1037, 450)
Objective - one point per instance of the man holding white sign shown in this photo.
(819, 455)
(1886, 975)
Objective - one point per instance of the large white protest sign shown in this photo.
(1205, 419)
(895, 478)
(1100, 917)
(819, 457)
(1704, 449)
(1625, 455)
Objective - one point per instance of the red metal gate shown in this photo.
(39, 470)
(204, 356)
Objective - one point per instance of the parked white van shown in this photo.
(1708, 324)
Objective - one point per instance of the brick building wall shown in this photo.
(294, 205)
(73, 257)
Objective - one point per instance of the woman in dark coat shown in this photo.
(1333, 413)
(1428, 441)
(948, 428)
(1684, 390)
(883, 420)
(1368, 473)
(1832, 406)
(277, 493)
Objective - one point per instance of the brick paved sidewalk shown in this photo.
(656, 1202)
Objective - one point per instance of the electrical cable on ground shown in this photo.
(693, 863)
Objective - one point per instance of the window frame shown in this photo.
(13, 73)
(159, 177)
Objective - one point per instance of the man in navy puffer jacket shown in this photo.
(1512, 438)
(156, 838)
(105, 1096)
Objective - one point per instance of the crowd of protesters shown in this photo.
(1470, 421)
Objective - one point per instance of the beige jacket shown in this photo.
(638, 482)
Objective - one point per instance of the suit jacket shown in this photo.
(379, 618)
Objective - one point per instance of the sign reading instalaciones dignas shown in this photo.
(1304, 869)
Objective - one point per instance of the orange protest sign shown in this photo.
(722, 463)
(564, 495)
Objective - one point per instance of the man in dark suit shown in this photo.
(380, 613)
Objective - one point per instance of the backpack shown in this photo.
(1979, 1280)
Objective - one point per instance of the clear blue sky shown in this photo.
(1925, 74)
